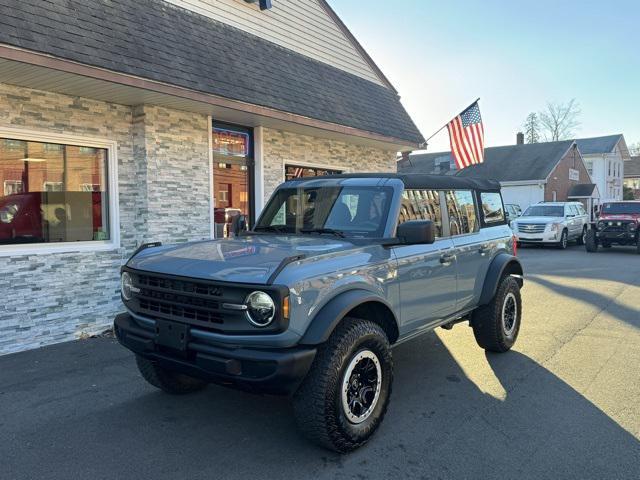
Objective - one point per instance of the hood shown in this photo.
(250, 259)
(539, 219)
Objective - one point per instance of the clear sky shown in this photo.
(514, 55)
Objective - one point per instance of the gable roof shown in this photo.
(156, 40)
(510, 163)
(632, 167)
(604, 144)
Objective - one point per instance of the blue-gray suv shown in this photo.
(309, 302)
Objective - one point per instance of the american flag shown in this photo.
(466, 134)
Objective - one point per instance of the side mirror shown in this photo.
(416, 232)
(238, 224)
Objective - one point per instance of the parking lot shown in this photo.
(565, 403)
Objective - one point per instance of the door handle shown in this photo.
(447, 258)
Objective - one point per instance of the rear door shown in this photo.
(469, 248)
(426, 273)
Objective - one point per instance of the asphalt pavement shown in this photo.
(564, 403)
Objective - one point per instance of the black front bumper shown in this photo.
(272, 371)
(617, 236)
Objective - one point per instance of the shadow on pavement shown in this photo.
(439, 425)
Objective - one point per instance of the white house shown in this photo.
(604, 158)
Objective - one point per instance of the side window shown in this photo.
(492, 210)
(581, 210)
(422, 205)
(572, 210)
(462, 212)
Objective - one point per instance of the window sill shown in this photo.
(62, 247)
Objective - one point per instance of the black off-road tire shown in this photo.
(166, 380)
(564, 240)
(317, 404)
(581, 240)
(489, 326)
(591, 244)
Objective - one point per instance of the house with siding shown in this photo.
(528, 173)
(134, 121)
(605, 159)
(632, 176)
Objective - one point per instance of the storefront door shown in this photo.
(233, 175)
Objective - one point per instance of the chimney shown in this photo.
(520, 138)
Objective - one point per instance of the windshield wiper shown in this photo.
(330, 231)
(269, 228)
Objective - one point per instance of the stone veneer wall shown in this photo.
(163, 172)
(281, 147)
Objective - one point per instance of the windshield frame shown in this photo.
(264, 224)
(527, 214)
(634, 205)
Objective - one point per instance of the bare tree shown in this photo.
(532, 128)
(634, 149)
(559, 121)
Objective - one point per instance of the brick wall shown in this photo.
(281, 147)
(163, 172)
(559, 178)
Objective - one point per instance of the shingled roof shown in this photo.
(632, 167)
(510, 163)
(158, 41)
(604, 144)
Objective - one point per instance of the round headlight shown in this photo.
(260, 308)
(600, 225)
(126, 284)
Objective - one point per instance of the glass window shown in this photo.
(359, 212)
(462, 212)
(45, 198)
(492, 209)
(294, 171)
(421, 205)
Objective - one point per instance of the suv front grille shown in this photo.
(531, 227)
(614, 226)
(186, 301)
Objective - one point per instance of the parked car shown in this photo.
(513, 211)
(618, 224)
(308, 304)
(552, 223)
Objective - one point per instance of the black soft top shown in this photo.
(423, 180)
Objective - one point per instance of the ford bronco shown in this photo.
(308, 303)
(618, 223)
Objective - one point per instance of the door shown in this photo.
(232, 176)
(574, 222)
(470, 251)
(426, 273)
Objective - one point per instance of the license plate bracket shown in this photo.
(172, 335)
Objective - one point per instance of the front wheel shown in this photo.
(564, 240)
(344, 397)
(497, 324)
(591, 242)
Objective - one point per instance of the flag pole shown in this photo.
(426, 142)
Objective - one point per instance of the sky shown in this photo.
(516, 56)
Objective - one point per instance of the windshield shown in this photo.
(359, 212)
(629, 208)
(544, 211)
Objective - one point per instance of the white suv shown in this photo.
(552, 223)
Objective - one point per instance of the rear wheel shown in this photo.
(591, 242)
(166, 380)
(496, 325)
(582, 239)
(344, 397)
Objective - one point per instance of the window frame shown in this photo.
(111, 146)
(483, 222)
(479, 218)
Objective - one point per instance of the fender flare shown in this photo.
(332, 313)
(501, 264)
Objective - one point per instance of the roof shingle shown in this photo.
(159, 41)
(604, 144)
